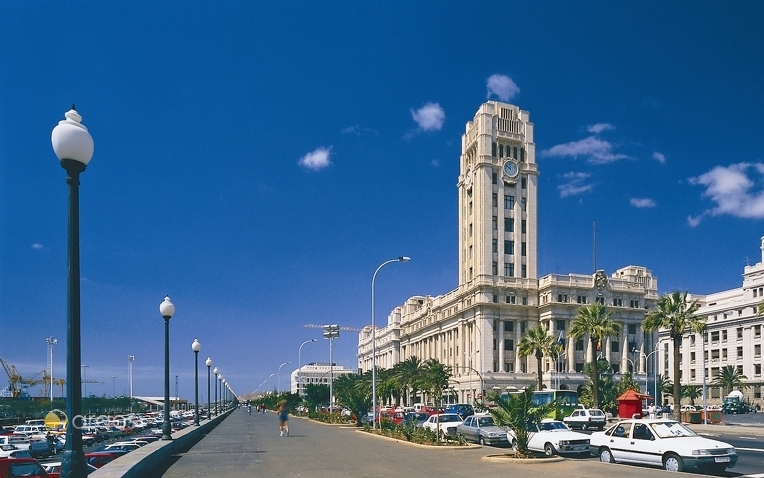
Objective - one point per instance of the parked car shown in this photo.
(664, 443)
(28, 467)
(443, 424)
(53, 469)
(462, 409)
(416, 419)
(100, 458)
(553, 437)
(586, 418)
(12, 451)
(482, 429)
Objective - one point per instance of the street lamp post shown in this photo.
(130, 359)
(299, 366)
(51, 341)
(208, 363)
(73, 146)
(278, 377)
(196, 347)
(216, 390)
(374, 341)
(166, 308)
(331, 332)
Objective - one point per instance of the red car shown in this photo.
(21, 467)
(100, 458)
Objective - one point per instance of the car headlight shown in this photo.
(700, 452)
(563, 442)
(731, 451)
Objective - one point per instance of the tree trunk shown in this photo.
(538, 360)
(595, 374)
(677, 383)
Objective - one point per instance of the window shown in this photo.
(514, 152)
(757, 330)
(470, 256)
(757, 350)
(724, 354)
(509, 344)
(617, 302)
(495, 298)
(692, 357)
(501, 150)
(523, 183)
(522, 154)
(560, 325)
(724, 335)
(510, 299)
(739, 369)
(494, 223)
(581, 299)
(493, 149)
(740, 333)
(523, 228)
(495, 246)
(632, 329)
(634, 304)
(470, 276)
(470, 230)
(740, 352)
(495, 268)
(580, 344)
(523, 272)
(522, 204)
(509, 269)
(495, 200)
(523, 249)
(470, 208)
(714, 337)
(692, 374)
(509, 224)
(600, 300)
(494, 178)
(509, 326)
(523, 326)
(757, 369)
(615, 345)
(562, 297)
(509, 247)
(509, 367)
(509, 201)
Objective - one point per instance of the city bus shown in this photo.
(567, 401)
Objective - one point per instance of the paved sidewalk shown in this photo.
(250, 446)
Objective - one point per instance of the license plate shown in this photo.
(722, 459)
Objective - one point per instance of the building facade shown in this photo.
(733, 337)
(315, 373)
(476, 327)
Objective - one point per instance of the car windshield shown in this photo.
(485, 422)
(670, 429)
(551, 426)
(595, 413)
(450, 418)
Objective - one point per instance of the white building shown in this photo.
(315, 373)
(476, 327)
(733, 337)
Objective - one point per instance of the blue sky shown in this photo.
(258, 160)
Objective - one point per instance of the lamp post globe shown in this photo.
(196, 346)
(73, 146)
(208, 363)
(166, 309)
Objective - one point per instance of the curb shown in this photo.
(524, 461)
(468, 446)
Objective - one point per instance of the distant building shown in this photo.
(315, 373)
(476, 327)
(733, 337)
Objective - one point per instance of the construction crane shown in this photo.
(14, 379)
(316, 326)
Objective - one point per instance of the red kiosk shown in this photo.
(630, 403)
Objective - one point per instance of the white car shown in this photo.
(553, 437)
(664, 443)
(446, 422)
(586, 418)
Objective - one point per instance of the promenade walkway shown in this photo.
(250, 446)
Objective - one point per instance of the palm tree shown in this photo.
(435, 378)
(594, 320)
(354, 393)
(518, 412)
(729, 378)
(693, 392)
(408, 374)
(675, 313)
(536, 342)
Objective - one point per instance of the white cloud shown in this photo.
(642, 202)
(36, 246)
(659, 157)
(502, 86)
(575, 184)
(429, 117)
(597, 150)
(435, 163)
(733, 191)
(355, 129)
(600, 127)
(317, 159)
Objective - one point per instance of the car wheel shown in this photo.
(606, 456)
(584, 426)
(673, 462)
(549, 449)
(481, 441)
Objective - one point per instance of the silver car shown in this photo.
(481, 429)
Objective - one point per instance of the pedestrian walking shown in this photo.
(283, 412)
